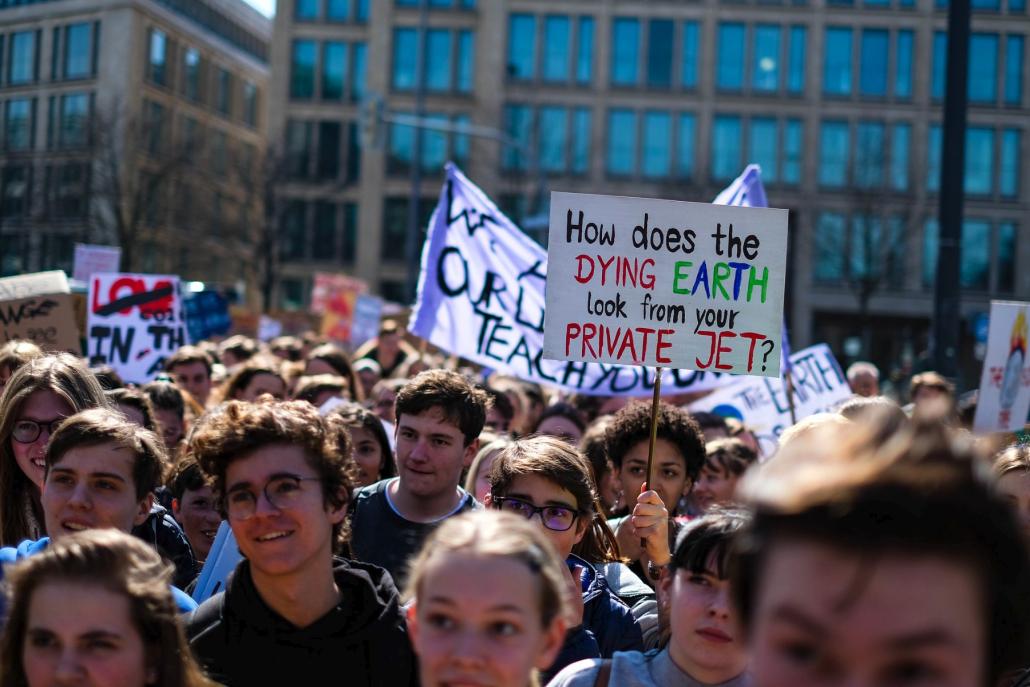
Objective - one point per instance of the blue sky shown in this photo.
(265, 7)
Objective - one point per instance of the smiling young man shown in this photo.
(439, 417)
(100, 472)
(291, 613)
(195, 507)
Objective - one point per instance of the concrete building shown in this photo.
(138, 123)
(840, 101)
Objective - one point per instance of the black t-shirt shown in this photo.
(381, 536)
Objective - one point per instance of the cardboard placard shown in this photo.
(639, 281)
(35, 284)
(1004, 397)
(46, 320)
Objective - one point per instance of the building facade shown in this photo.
(839, 101)
(137, 123)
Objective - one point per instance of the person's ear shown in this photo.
(553, 640)
(664, 584)
(176, 507)
(582, 525)
(412, 618)
(144, 509)
(338, 513)
(470, 453)
(688, 486)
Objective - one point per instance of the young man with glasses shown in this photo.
(439, 417)
(291, 613)
(100, 471)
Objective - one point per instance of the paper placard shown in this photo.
(35, 284)
(638, 281)
(90, 260)
(221, 561)
(135, 322)
(1004, 397)
(48, 321)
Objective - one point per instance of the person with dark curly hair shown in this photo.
(373, 456)
(291, 613)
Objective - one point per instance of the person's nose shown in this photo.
(80, 496)
(68, 670)
(468, 648)
(720, 604)
(264, 506)
(420, 451)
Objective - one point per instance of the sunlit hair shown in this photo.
(919, 492)
(556, 461)
(245, 374)
(1012, 459)
(485, 451)
(16, 353)
(67, 377)
(729, 456)
(186, 355)
(460, 401)
(236, 429)
(119, 563)
(310, 387)
(338, 360)
(632, 425)
(492, 534)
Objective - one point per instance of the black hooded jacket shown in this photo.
(240, 641)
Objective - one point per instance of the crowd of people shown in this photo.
(403, 520)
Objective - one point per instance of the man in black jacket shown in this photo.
(291, 613)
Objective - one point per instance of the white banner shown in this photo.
(481, 297)
(135, 322)
(761, 403)
(1004, 397)
(91, 259)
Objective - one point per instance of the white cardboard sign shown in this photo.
(639, 281)
(90, 259)
(1004, 397)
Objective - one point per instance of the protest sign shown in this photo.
(47, 321)
(1004, 397)
(90, 260)
(35, 284)
(334, 296)
(268, 328)
(207, 314)
(367, 312)
(135, 322)
(481, 297)
(761, 403)
(665, 283)
(221, 561)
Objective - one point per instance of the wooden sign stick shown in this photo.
(654, 430)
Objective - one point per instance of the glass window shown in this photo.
(250, 104)
(518, 125)
(302, 69)
(763, 149)
(466, 55)
(327, 165)
(931, 245)
(78, 51)
(460, 144)
(156, 62)
(869, 154)
(1008, 181)
(74, 127)
(219, 152)
(979, 159)
(405, 42)
(353, 152)
(438, 60)
(357, 77)
(726, 147)
(691, 50)
(974, 273)
(933, 157)
(1006, 257)
(191, 73)
(685, 167)
(792, 151)
(940, 52)
(657, 153)
(581, 140)
(552, 138)
(900, 142)
(622, 142)
(1017, 6)
(837, 70)
(337, 10)
(305, 10)
(903, 65)
(765, 69)
(625, 51)
(18, 124)
(556, 48)
(833, 154)
(585, 50)
(983, 67)
(223, 101)
(434, 146)
(350, 232)
(830, 244)
(873, 76)
(334, 69)
(361, 11)
(796, 60)
(298, 148)
(895, 268)
(1013, 69)
(324, 237)
(866, 240)
(521, 46)
(154, 128)
(729, 70)
(402, 148)
(659, 53)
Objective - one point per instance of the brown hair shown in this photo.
(461, 402)
(632, 424)
(930, 380)
(121, 564)
(729, 456)
(338, 360)
(136, 399)
(236, 429)
(1015, 458)
(838, 488)
(246, 373)
(558, 462)
(310, 387)
(107, 425)
(67, 377)
(186, 355)
(16, 353)
(187, 476)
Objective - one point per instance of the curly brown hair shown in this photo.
(236, 429)
(632, 424)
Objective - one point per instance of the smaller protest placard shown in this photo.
(91, 259)
(1004, 396)
(761, 403)
(639, 281)
(268, 328)
(335, 297)
(221, 561)
(367, 312)
(207, 314)
(47, 321)
(35, 284)
(135, 322)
